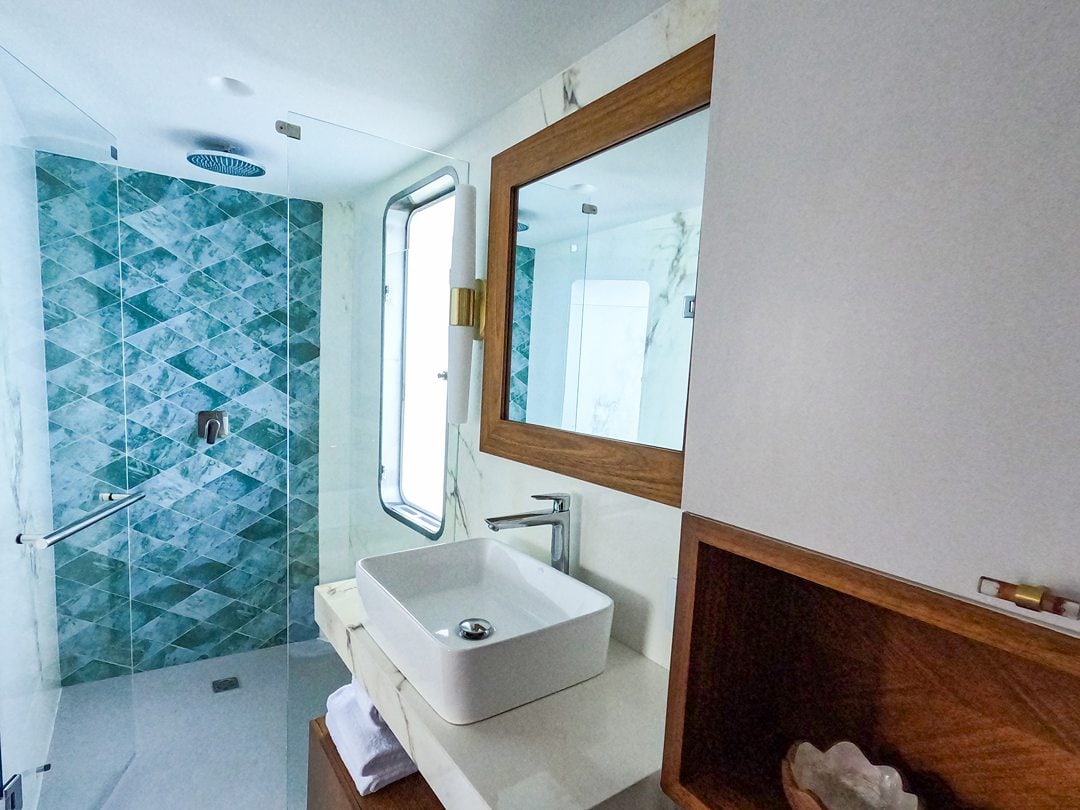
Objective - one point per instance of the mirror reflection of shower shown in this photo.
(605, 262)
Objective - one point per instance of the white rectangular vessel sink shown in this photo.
(547, 630)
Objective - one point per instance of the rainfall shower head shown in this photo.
(222, 162)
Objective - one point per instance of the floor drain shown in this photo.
(226, 684)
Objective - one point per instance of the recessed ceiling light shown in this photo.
(584, 188)
(234, 87)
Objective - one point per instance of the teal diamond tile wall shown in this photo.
(521, 331)
(164, 297)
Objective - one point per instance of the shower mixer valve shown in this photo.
(213, 425)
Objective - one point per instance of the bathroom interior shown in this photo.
(618, 404)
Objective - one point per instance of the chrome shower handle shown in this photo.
(213, 425)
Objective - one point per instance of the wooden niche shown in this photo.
(775, 644)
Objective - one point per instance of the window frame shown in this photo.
(397, 217)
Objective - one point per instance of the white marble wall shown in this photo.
(672, 271)
(661, 251)
(336, 432)
(352, 522)
(629, 546)
(29, 673)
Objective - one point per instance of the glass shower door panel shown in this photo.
(66, 618)
(550, 260)
(340, 181)
(641, 278)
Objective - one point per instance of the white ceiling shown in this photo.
(419, 72)
(660, 172)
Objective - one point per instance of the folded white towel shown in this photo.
(370, 751)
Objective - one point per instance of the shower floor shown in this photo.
(165, 740)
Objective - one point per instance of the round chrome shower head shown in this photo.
(225, 163)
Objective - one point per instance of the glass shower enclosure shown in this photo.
(167, 652)
(81, 273)
(136, 308)
(355, 175)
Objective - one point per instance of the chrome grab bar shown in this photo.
(116, 504)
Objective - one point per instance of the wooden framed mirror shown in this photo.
(574, 381)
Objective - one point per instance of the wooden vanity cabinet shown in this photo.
(775, 644)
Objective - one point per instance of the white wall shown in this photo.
(628, 546)
(336, 432)
(887, 349)
(352, 522)
(29, 673)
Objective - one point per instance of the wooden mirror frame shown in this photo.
(676, 88)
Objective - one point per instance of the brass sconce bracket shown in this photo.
(467, 306)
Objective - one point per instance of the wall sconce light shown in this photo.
(466, 306)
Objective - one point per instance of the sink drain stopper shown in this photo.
(475, 629)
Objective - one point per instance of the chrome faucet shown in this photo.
(212, 425)
(558, 517)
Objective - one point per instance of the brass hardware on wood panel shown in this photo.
(1029, 596)
(1032, 597)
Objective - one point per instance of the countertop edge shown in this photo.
(435, 745)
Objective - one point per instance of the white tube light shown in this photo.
(462, 276)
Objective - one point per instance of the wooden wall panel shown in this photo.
(775, 644)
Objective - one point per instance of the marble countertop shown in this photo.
(595, 745)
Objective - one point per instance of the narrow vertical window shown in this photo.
(418, 241)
